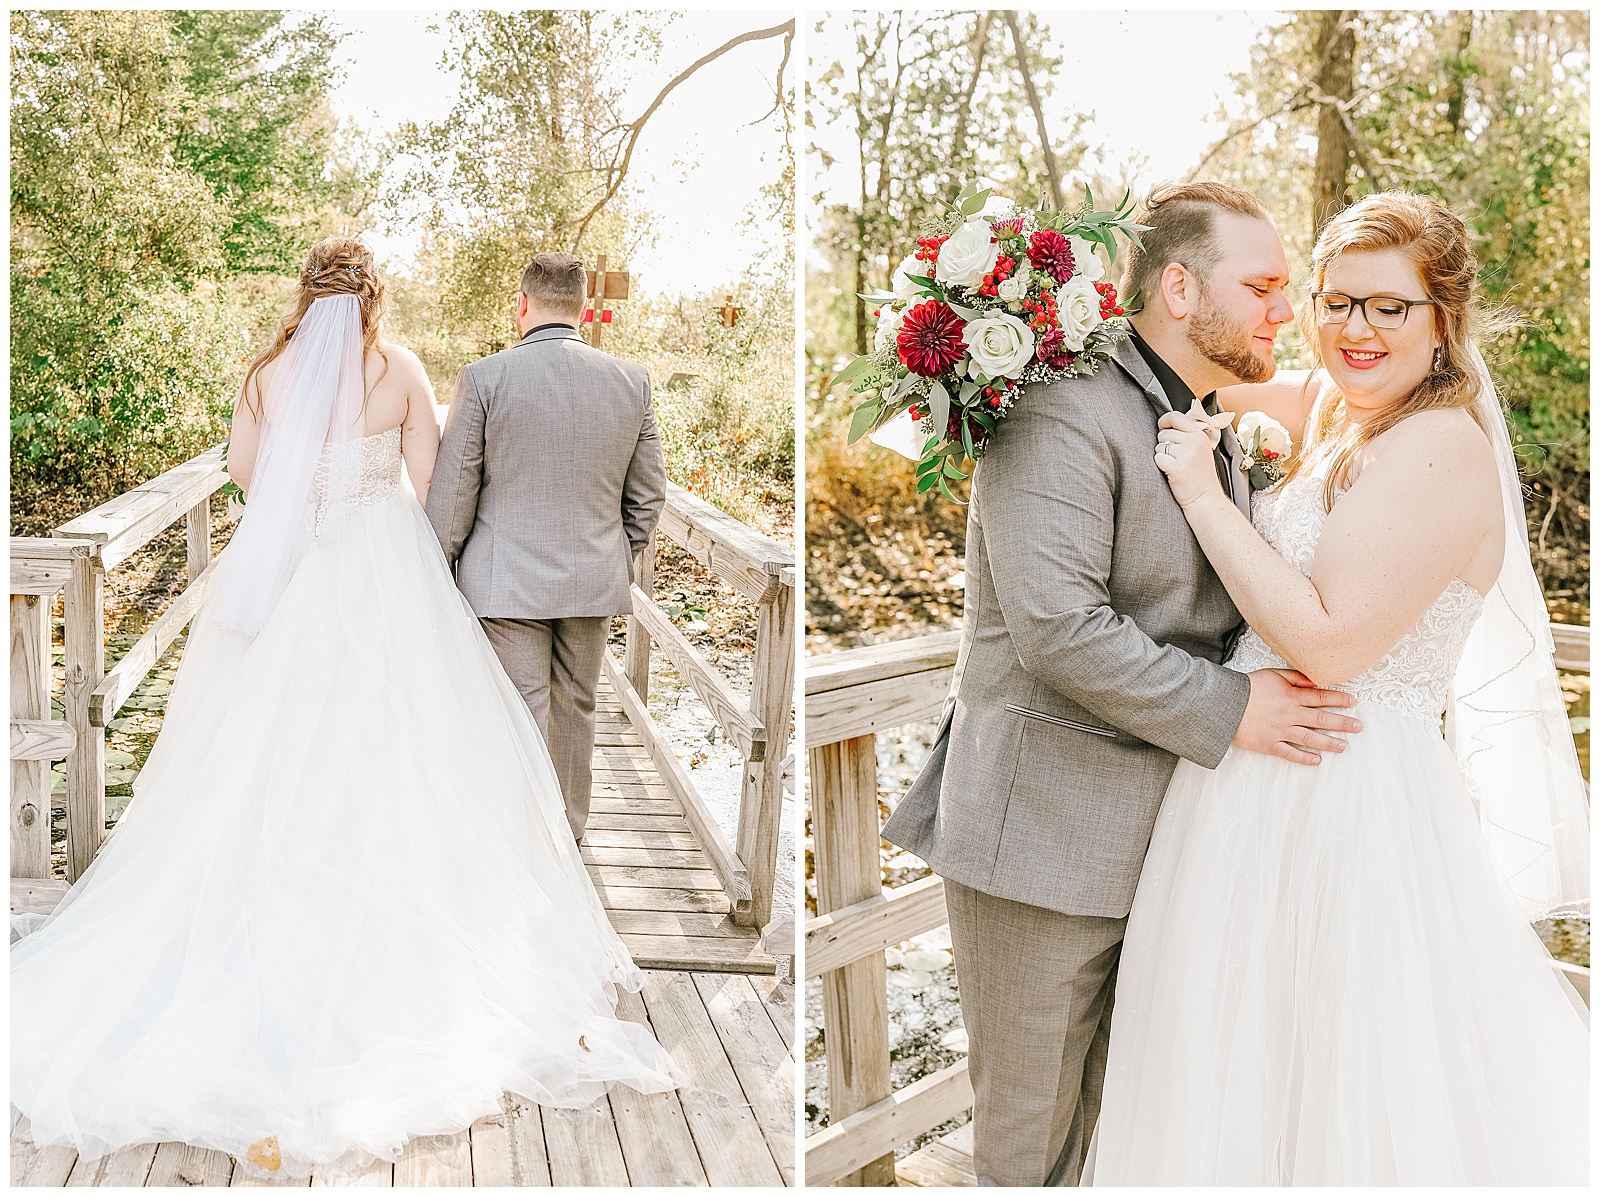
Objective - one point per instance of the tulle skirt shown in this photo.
(1324, 982)
(344, 907)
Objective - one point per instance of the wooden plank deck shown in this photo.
(732, 1123)
(653, 878)
(944, 1163)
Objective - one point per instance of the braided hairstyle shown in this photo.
(335, 266)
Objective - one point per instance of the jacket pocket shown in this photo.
(1060, 722)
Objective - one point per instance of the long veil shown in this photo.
(1507, 723)
(313, 403)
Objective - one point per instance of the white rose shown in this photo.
(1078, 308)
(900, 280)
(1274, 436)
(1085, 262)
(883, 336)
(1014, 288)
(968, 255)
(1000, 345)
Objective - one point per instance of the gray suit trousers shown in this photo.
(1036, 992)
(555, 666)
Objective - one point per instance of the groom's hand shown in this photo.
(1289, 716)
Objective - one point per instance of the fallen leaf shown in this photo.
(265, 1152)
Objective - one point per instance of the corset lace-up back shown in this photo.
(372, 465)
(1414, 676)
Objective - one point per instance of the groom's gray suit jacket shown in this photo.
(1089, 655)
(549, 479)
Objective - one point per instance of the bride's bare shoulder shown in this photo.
(399, 355)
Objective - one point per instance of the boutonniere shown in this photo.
(1266, 446)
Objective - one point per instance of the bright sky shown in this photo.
(1153, 82)
(700, 159)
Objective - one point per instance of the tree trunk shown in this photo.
(958, 145)
(1458, 74)
(1336, 46)
(1038, 111)
(859, 254)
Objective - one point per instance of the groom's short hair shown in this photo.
(1182, 220)
(557, 281)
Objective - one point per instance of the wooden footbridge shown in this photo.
(851, 696)
(690, 903)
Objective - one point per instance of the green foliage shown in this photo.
(728, 429)
(159, 160)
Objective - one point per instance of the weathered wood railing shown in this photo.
(850, 697)
(762, 570)
(84, 548)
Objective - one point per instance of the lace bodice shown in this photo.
(1414, 676)
(374, 465)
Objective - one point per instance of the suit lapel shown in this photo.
(1136, 368)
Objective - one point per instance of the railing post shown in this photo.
(198, 531)
(86, 764)
(855, 1000)
(761, 795)
(30, 699)
(636, 645)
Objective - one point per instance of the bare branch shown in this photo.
(621, 172)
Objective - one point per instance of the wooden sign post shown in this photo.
(603, 285)
(729, 313)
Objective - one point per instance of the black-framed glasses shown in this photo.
(1387, 311)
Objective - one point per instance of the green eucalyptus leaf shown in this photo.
(963, 311)
(939, 401)
(864, 418)
(855, 369)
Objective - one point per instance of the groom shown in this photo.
(1089, 664)
(548, 483)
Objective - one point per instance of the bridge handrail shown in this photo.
(762, 570)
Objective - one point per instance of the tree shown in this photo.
(1336, 41)
(140, 190)
(534, 156)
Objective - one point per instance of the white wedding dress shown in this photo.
(1324, 980)
(344, 908)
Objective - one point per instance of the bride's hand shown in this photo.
(1183, 454)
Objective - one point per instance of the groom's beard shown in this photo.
(1226, 344)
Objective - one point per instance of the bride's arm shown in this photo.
(1287, 398)
(419, 434)
(244, 436)
(1423, 505)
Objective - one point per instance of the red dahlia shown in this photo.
(1050, 252)
(930, 339)
(1052, 353)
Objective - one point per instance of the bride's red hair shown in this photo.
(1436, 240)
(335, 266)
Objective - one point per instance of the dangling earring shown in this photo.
(1438, 358)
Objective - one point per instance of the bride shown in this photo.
(1328, 976)
(344, 908)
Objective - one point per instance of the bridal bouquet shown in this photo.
(993, 297)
